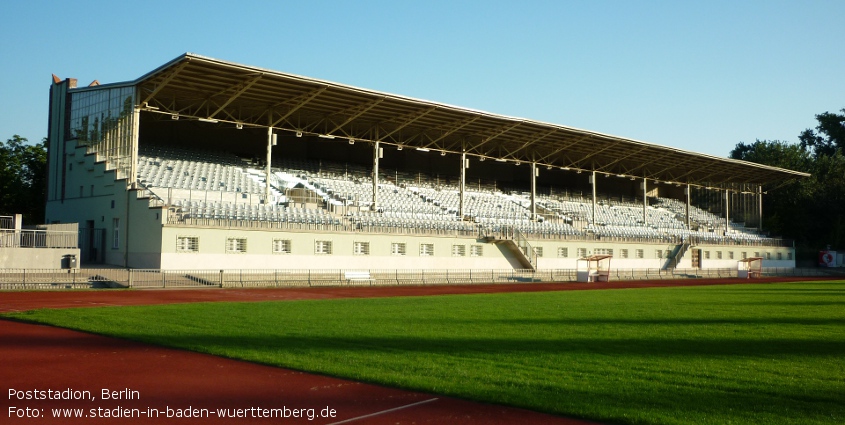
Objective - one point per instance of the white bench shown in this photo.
(356, 277)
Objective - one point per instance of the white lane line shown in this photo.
(383, 412)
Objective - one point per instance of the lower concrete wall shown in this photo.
(35, 258)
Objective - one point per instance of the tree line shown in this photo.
(23, 179)
(809, 210)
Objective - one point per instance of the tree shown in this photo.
(809, 210)
(23, 178)
(830, 136)
(784, 205)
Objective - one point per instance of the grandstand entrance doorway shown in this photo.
(91, 244)
(696, 258)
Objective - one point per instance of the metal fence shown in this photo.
(37, 239)
(32, 279)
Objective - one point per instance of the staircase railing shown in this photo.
(522, 243)
(682, 249)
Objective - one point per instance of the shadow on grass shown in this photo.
(653, 347)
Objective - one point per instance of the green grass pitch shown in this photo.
(733, 354)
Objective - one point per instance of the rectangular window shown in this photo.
(719, 255)
(780, 256)
(538, 251)
(706, 255)
(426, 249)
(582, 252)
(361, 248)
(323, 247)
(235, 245)
(115, 240)
(757, 254)
(563, 252)
(730, 255)
(768, 255)
(187, 244)
(281, 246)
(623, 253)
(603, 251)
(789, 256)
(744, 255)
(640, 253)
(658, 253)
(476, 250)
(459, 250)
(397, 248)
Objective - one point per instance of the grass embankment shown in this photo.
(738, 354)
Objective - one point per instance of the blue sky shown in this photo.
(695, 75)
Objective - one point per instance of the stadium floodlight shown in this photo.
(174, 117)
(211, 120)
(298, 134)
(239, 126)
(325, 136)
(399, 147)
(482, 159)
(423, 149)
(501, 160)
(351, 141)
(564, 168)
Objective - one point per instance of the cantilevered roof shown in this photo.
(198, 87)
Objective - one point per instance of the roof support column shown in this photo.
(727, 210)
(645, 200)
(376, 156)
(534, 173)
(133, 160)
(689, 196)
(271, 140)
(464, 166)
(593, 181)
(760, 207)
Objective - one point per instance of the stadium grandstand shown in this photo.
(208, 164)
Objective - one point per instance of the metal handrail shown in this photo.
(38, 239)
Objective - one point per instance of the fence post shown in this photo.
(221, 278)
(24, 278)
(163, 279)
(129, 278)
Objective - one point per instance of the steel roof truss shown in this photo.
(405, 121)
(609, 165)
(296, 103)
(496, 132)
(165, 81)
(450, 128)
(239, 90)
(356, 112)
